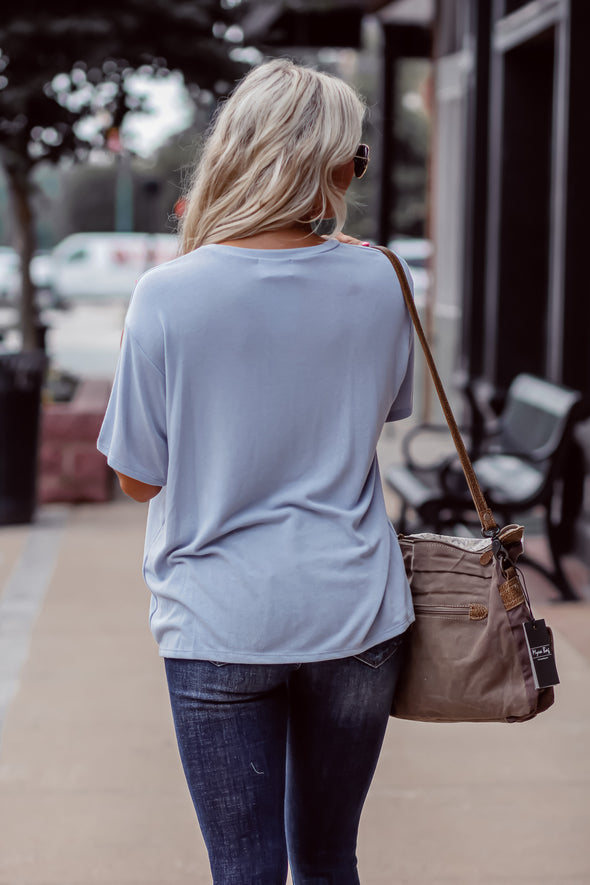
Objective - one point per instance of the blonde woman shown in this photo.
(256, 373)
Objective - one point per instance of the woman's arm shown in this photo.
(139, 491)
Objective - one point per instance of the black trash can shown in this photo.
(21, 381)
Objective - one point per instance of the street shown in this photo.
(83, 339)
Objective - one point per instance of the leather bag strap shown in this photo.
(486, 517)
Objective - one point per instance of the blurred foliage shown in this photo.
(67, 63)
(61, 63)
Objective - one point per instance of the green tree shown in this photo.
(65, 65)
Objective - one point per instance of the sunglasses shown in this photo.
(361, 160)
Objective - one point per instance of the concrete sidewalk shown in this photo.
(91, 788)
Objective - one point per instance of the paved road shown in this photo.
(83, 340)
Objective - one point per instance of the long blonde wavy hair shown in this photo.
(269, 158)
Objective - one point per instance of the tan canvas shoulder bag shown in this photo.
(475, 652)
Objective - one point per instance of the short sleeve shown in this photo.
(403, 403)
(133, 434)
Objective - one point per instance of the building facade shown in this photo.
(512, 124)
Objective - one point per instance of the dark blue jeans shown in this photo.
(279, 759)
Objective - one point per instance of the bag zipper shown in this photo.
(473, 611)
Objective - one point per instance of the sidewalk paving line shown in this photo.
(23, 596)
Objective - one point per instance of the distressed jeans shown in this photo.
(279, 759)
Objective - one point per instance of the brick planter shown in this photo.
(71, 469)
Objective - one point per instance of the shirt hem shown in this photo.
(224, 657)
(398, 415)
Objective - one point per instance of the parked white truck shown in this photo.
(106, 266)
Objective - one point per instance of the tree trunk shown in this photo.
(20, 193)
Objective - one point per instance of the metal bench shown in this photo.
(528, 460)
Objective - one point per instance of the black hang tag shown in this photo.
(540, 646)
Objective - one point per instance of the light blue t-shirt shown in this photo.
(253, 386)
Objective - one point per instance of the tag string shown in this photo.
(525, 591)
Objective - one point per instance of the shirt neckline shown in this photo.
(276, 254)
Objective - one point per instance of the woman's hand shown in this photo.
(352, 241)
